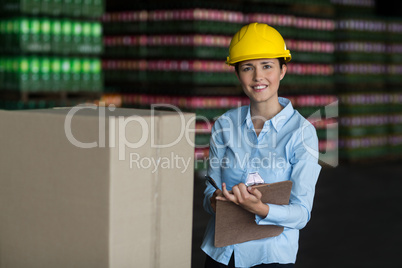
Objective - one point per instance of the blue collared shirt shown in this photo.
(285, 149)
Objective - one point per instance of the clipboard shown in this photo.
(234, 225)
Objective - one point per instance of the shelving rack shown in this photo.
(174, 53)
(308, 28)
(50, 53)
(394, 84)
(367, 82)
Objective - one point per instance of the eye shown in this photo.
(245, 69)
(267, 66)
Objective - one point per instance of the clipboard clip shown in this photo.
(254, 184)
(253, 179)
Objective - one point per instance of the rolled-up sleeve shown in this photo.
(304, 175)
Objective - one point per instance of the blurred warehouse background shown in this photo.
(345, 77)
(64, 52)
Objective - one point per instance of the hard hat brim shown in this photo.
(286, 55)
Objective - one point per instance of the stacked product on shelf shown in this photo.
(50, 50)
(172, 47)
(176, 56)
(361, 72)
(308, 29)
(394, 84)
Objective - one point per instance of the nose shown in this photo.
(257, 74)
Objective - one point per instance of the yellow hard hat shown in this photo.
(257, 41)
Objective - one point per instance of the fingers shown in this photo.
(240, 194)
(229, 196)
(237, 192)
(247, 197)
(243, 193)
(255, 192)
(221, 198)
(219, 195)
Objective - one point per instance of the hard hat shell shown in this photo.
(257, 41)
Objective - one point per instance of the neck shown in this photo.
(265, 110)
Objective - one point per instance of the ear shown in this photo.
(283, 71)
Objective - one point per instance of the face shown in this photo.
(260, 79)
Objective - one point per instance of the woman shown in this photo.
(265, 142)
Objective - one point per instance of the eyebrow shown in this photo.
(262, 63)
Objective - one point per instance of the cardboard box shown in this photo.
(125, 201)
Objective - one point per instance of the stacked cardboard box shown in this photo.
(96, 187)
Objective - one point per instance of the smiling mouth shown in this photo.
(259, 87)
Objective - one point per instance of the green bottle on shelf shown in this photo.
(76, 8)
(33, 77)
(56, 7)
(2, 71)
(76, 74)
(45, 35)
(14, 34)
(86, 45)
(97, 8)
(56, 37)
(77, 37)
(86, 74)
(36, 6)
(31, 104)
(86, 8)
(96, 76)
(55, 74)
(45, 80)
(7, 73)
(66, 74)
(46, 7)
(97, 40)
(9, 27)
(18, 76)
(34, 35)
(66, 29)
(23, 34)
(19, 85)
(2, 36)
(20, 7)
(68, 8)
(12, 66)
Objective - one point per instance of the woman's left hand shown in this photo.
(248, 198)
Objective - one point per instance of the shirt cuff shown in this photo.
(274, 215)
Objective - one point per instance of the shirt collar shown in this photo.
(278, 121)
